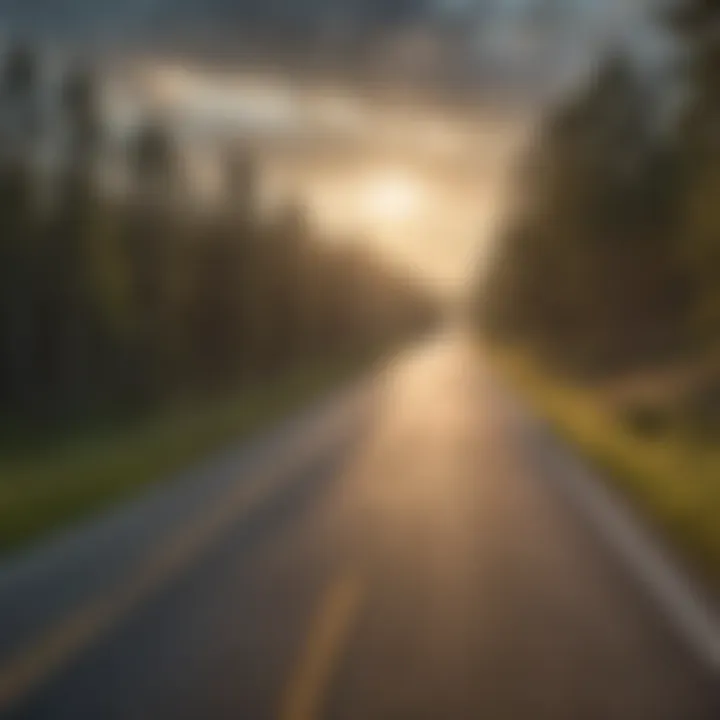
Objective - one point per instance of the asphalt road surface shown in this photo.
(411, 548)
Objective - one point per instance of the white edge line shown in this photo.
(687, 609)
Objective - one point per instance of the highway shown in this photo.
(416, 546)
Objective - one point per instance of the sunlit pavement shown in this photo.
(400, 552)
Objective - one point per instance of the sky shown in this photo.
(425, 183)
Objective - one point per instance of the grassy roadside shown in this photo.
(672, 477)
(45, 487)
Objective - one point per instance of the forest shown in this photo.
(119, 300)
(611, 260)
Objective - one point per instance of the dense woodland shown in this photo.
(119, 301)
(612, 258)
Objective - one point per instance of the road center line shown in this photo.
(305, 692)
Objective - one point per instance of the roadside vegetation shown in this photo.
(45, 483)
(605, 292)
(645, 445)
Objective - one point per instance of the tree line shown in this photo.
(612, 256)
(118, 301)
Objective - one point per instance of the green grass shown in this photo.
(672, 477)
(44, 486)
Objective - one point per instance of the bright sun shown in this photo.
(391, 198)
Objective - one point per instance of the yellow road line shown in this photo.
(305, 692)
(47, 654)
(36, 662)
